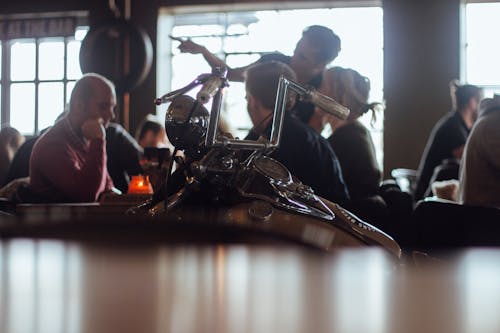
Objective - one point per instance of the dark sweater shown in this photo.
(449, 133)
(353, 145)
(124, 155)
(310, 158)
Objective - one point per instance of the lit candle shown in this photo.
(140, 184)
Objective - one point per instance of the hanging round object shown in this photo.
(119, 50)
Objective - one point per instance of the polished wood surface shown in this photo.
(80, 220)
(109, 205)
(65, 286)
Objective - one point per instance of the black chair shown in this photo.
(444, 225)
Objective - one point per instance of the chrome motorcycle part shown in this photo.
(186, 122)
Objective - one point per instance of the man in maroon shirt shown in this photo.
(68, 162)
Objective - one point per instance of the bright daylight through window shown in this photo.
(482, 50)
(38, 79)
(241, 37)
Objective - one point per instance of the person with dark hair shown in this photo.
(68, 162)
(351, 141)
(302, 150)
(318, 47)
(151, 133)
(448, 137)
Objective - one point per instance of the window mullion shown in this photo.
(5, 82)
(37, 81)
(65, 77)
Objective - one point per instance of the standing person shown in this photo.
(68, 162)
(302, 150)
(317, 47)
(448, 137)
(480, 170)
(351, 141)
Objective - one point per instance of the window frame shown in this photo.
(165, 51)
(51, 30)
(464, 47)
(7, 81)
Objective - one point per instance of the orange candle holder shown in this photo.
(140, 184)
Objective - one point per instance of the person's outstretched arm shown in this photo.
(233, 74)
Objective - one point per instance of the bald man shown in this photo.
(68, 162)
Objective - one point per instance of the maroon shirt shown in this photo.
(67, 168)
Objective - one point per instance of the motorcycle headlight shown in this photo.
(186, 122)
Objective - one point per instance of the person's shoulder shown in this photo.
(451, 119)
(275, 56)
(488, 124)
(114, 131)
(114, 128)
(305, 136)
(355, 127)
(348, 132)
(116, 134)
(295, 134)
(295, 126)
(448, 123)
(52, 139)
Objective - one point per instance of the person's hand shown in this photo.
(188, 46)
(333, 121)
(93, 129)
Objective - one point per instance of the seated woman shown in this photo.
(303, 151)
(351, 140)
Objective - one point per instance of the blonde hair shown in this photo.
(355, 86)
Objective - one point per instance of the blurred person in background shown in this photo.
(446, 143)
(302, 150)
(68, 162)
(151, 133)
(10, 141)
(480, 169)
(351, 140)
(317, 47)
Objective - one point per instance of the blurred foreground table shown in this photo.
(81, 286)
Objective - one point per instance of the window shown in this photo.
(241, 37)
(481, 51)
(38, 74)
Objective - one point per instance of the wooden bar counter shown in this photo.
(86, 286)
